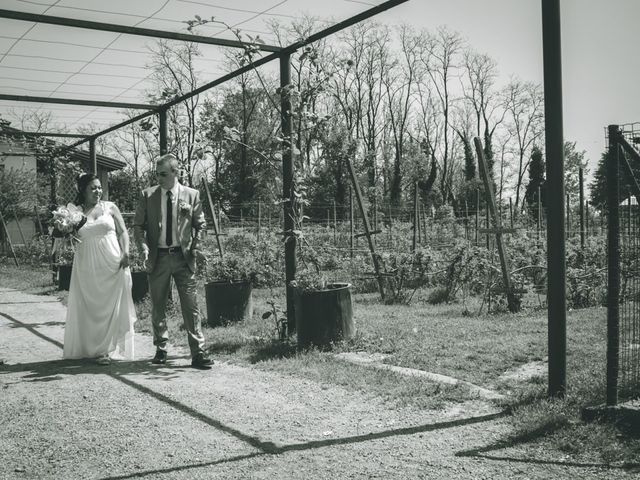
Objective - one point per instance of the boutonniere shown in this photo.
(184, 207)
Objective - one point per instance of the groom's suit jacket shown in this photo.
(147, 222)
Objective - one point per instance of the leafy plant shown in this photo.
(232, 267)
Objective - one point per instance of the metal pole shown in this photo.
(554, 148)
(162, 120)
(613, 270)
(581, 213)
(93, 159)
(290, 239)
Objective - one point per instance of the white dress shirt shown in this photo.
(163, 207)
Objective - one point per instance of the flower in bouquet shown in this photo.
(67, 220)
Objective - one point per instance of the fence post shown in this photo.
(486, 221)
(350, 223)
(390, 227)
(335, 225)
(613, 271)
(586, 219)
(568, 210)
(477, 213)
(539, 215)
(415, 216)
(375, 214)
(581, 212)
(466, 220)
(259, 220)
(511, 212)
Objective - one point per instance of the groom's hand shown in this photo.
(197, 254)
(145, 254)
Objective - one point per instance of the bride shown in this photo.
(100, 310)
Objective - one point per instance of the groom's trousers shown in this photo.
(174, 265)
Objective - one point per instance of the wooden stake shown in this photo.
(213, 216)
(367, 228)
(4, 226)
(504, 261)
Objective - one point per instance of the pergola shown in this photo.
(553, 131)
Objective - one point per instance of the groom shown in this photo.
(167, 228)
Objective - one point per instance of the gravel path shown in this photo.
(75, 420)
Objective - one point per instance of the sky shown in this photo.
(599, 41)
(600, 61)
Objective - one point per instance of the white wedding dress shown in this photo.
(100, 310)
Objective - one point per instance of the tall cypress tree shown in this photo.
(536, 179)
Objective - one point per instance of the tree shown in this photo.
(400, 82)
(487, 105)
(174, 75)
(439, 59)
(524, 105)
(573, 161)
(536, 180)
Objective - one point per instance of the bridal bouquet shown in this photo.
(66, 223)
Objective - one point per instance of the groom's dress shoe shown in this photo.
(202, 362)
(160, 358)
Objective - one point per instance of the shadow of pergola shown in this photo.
(122, 371)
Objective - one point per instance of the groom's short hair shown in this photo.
(171, 160)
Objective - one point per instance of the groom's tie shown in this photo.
(169, 232)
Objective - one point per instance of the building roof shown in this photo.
(81, 156)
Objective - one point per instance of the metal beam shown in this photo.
(126, 29)
(257, 63)
(554, 146)
(43, 134)
(73, 101)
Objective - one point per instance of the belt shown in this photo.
(170, 250)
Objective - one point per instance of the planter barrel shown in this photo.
(64, 277)
(324, 316)
(228, 302)
(140, 285)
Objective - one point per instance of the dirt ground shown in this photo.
(75, 420)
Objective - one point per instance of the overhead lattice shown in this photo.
(57, 61)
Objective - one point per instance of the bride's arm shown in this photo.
(123, 235)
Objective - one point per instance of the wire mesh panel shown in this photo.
(623, 252)
(629, 349)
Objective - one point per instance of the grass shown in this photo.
(441, 339)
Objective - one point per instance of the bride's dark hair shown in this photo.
(82, 181)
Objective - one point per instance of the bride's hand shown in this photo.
(124, 260)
